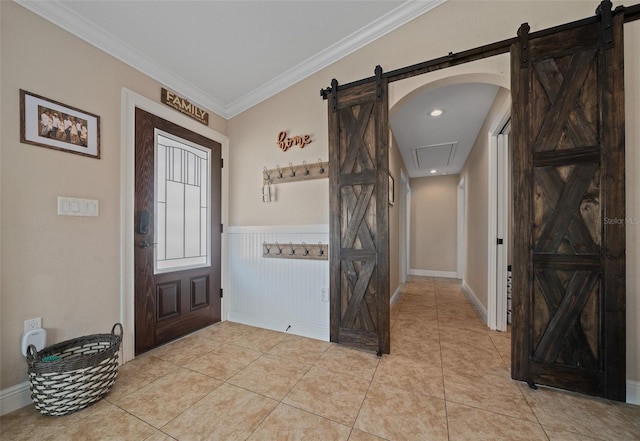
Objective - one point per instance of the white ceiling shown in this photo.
(228, 56)
(444, 142)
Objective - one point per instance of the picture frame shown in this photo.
(48, 123)
(392, 190)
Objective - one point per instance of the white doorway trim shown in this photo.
(497, 288)
(129, 101)
(461, 239)
(405, 226)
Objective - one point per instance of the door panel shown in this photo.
(177, 241)
(568, 174)
(199, 292)
(358, 152)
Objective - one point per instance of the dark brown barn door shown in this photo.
(359, 183)
(569, 252)
(177, 231)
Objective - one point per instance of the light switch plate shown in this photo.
(78, 207)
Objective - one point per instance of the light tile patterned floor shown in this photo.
(446, 379)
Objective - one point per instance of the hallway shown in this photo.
(446, 379)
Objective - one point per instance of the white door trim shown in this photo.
(461, 236)
(496, 298)
(404, 227)
(502, 231)
(407, 204)
(129, 101)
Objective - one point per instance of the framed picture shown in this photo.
(48, 123)
(392, 190)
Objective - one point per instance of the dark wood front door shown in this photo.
(177, 231)
(359, 182)
(569, 208)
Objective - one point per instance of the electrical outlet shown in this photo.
(33, 323)
(325, 294)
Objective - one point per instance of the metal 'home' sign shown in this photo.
(183, 105)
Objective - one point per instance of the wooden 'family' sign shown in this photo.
(183, 105)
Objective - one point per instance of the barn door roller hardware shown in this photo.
(606, 22)
(523, 35)
(378, 72)
(333, 91)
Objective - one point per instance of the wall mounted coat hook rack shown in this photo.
(300, 172)
(295, 251)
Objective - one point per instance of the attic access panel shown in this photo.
(434, 156)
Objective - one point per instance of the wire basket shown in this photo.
(73, 374)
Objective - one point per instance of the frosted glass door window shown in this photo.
(182, 204)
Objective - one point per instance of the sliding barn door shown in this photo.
(569, 255)
(359, 183)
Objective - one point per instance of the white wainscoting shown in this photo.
(278, 294)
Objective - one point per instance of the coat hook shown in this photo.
(293, 250)
(321, 253)
(266, 173)
(266, 247)
(293, 171)
(306, 170)
(279, 249)
(306, 250)
(279, 171)
(266, 192)
(321, 167)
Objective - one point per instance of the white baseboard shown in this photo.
(15, 397)
(633, 392)
(473, 298)
(275, 324)
(395, 296)
(433, 273)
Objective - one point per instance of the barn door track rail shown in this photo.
(603, 15)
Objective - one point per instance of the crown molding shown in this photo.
(69, 20)
(351, 43)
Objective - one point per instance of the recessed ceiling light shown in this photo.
(436, 112)
(433, 171)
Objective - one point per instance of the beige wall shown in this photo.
(434, 210)
(395, 165)
(299, 109)
(63, 269)
(476, 175)
(67, 270)
(252, 145)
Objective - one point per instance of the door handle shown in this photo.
(143, 223)
(145, 244)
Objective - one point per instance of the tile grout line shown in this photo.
(281, 401)
(364, 399)
(444, 388)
